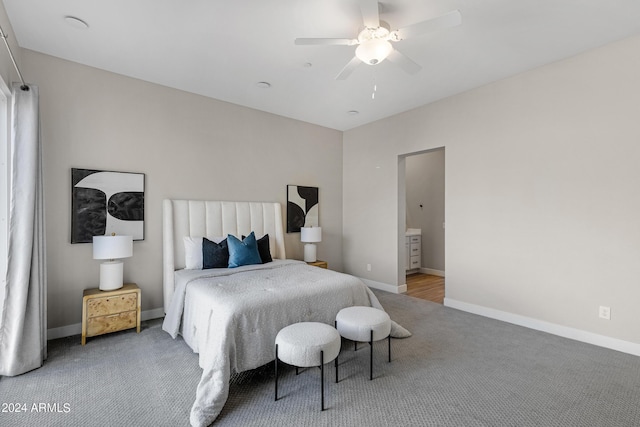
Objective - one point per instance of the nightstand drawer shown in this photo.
(112, 323)
(112, 304)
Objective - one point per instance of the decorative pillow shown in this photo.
(263, 249)
(214, 255)
(193, 253)
(243, 252)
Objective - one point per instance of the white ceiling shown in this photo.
(221, 49)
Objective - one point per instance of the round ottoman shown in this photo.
(365, 324)
(308, 344)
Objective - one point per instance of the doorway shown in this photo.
(422, 218)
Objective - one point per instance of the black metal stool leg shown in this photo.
(371, 357)
(276, 362)
(335, 324)
(322, 380)
(389, 338)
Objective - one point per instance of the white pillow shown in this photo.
(193, 251)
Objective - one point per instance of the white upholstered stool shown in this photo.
(365, 324)
(308, 344)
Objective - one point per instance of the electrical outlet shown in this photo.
(368, 267)
(605, 312)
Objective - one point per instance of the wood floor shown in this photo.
(426, 286)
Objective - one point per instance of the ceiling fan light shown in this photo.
(373, 51)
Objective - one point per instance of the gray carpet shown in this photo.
(457, 369)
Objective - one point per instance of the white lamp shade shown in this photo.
(373, 51)
(112, 247)
(311, 234)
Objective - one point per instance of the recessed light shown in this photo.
(76, 22)
(353, 112)
(263, 85)
(308, 65)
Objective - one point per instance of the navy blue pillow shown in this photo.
(214, 255)
(243, 252)
(263, 249)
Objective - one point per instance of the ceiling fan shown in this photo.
(374, 41)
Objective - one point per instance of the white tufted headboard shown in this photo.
(197, 218)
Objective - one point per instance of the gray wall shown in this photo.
(188, 146)
(425, 186)
(542, 206)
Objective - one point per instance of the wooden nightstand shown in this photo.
(110, 311)
(318, 263)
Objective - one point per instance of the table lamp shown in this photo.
(310, 235)
(112, 248)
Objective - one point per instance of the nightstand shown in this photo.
(110, 311)
(318, 263)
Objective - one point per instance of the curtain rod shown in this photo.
(15, 65)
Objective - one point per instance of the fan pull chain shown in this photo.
(375, 86)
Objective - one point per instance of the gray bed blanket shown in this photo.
(231, 317)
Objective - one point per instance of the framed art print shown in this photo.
(104, 202)
(302, 207)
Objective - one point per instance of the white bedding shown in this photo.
(231, 317)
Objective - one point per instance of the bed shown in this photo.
(230, 316)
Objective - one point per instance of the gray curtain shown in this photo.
(23, 323)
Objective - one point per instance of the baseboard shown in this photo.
(76, 329)
(432, 271)
(551, 328)
(385, 286)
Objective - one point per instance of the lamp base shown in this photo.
(111, 273)
(310, 252)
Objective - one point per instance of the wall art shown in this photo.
(104, 202)
(302, 207)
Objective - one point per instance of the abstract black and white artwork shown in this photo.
(104, 202)
(302, 207)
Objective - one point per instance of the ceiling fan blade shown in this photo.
(348, 69)
(404, 62)
(447, 20)
(370, 13)
(346, 42)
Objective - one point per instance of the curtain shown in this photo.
(23, 324)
